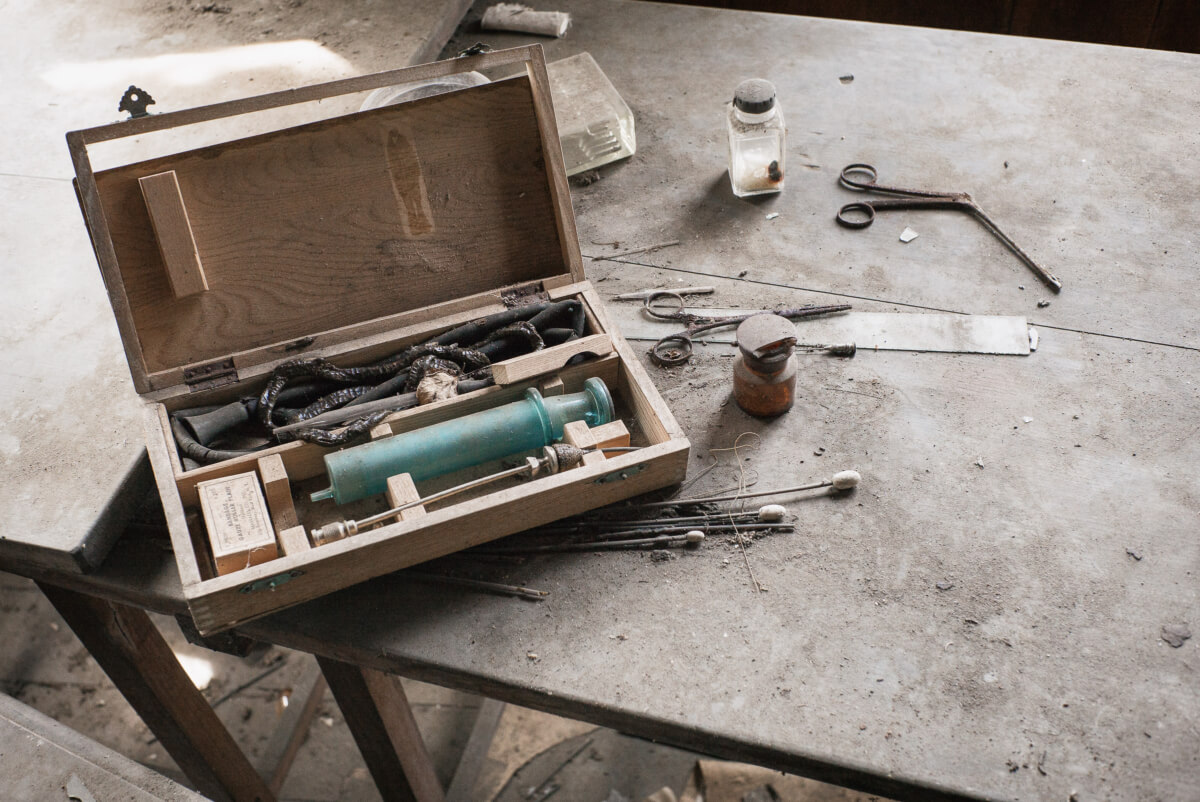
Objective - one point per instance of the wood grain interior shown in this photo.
(341, 221)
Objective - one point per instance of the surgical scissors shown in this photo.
(861, 178)
(676, 349)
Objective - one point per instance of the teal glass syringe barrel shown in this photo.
(452, 445)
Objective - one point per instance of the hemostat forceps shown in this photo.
(860, 214)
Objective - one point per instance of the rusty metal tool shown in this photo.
(860, 214)
(676, 349)
(691, 539)
(642, 295)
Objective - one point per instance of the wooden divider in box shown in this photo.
(350, 239)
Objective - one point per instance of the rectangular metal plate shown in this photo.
(884, 331)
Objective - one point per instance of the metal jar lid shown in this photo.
(766, 338)
(755, 96)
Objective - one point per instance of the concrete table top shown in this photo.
(72, 450)
(984, 616)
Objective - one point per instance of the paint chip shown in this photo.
(908, 235)
(772, 215)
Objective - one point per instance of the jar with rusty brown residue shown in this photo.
(764, 375)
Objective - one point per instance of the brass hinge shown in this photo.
(524, 294)
(621, 475)
(271, 582)
(207, 377)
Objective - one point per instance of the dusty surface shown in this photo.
(948, 623)
(50, 671)
(971, 618)
(70, 427)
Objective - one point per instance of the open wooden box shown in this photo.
(352, 238)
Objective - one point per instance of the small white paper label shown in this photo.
(235, 514)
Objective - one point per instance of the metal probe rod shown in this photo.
(843, 480)
(692, 538)
(479, 584)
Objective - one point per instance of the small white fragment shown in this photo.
(1027, 419)
(979, 462)
(77, 790)
(522, 18)
(1033, 339)
(908, 235)
(770, 513)
(772, 215)
(844, 480)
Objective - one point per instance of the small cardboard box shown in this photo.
(352, 238)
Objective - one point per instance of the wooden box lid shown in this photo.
(250, 250)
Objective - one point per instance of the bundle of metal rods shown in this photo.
(598, 532)
(305, 398)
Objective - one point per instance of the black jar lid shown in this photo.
(755, 96)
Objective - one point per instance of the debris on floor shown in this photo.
(1175, 634)
(908, 235)
(664, 794)
(721, 781)
(586, 178)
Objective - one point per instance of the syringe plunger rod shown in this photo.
(555, 458)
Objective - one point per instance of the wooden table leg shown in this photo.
(377, 713)
(474, 756)
(280, 752)
(131, 650)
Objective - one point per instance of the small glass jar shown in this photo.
(764, 373)
(756, 139)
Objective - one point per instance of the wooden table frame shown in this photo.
(109, 612)
(132, 652)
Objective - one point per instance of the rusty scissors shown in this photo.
(860, 214)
